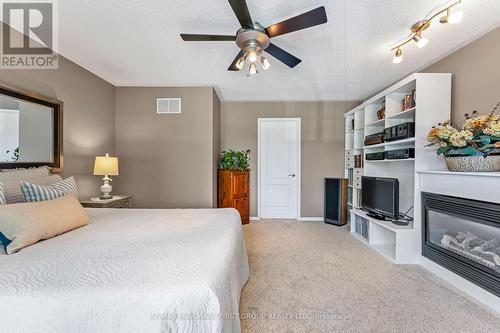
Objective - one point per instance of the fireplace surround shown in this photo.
(463, 236)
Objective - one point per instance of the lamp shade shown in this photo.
(106, 166)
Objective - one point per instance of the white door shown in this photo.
(279, 168)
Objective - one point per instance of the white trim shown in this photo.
(299, 161)
(254, 218)
(311, 219)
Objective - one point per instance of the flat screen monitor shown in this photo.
(380, 196)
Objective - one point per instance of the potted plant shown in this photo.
(234, 160)
(473, 146)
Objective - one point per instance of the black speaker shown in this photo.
(336, 201)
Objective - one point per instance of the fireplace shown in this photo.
(463, 236)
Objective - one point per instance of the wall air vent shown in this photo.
(168, 105)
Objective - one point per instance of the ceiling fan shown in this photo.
(252, 38)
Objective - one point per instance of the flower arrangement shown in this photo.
(478, 135)
(230, 159)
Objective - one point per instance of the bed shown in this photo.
(130, 271)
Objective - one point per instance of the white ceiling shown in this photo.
(136, 42)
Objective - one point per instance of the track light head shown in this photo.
(421, 41)
(398, 56)
(452, 17)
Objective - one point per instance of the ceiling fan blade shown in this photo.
(233, 65)
(310, 19)
(206, 38)
(283, 56)
(240, 8)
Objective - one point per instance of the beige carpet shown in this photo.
(312, 277)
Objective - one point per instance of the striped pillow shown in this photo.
(34, 193)
(2, 195)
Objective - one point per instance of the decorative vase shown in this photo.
(473, 163)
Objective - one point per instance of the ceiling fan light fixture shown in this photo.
(265, 63)
(253, 69)
(398, 56)
(252, 56)
(240, 63)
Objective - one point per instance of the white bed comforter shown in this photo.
(130, 271)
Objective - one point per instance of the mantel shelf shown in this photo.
(469, 174)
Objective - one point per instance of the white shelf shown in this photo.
(391, 161)
(401, 244)
(361, 238)
(392, 143)
(386, 250)
(403, 114)
(377, 123)
(384, 224)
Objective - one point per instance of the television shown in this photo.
(380, 197)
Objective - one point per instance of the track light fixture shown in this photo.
(450, 16)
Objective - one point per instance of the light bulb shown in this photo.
(265, 63)
(253, 68)
(452, 18)
(240, 63)
(252, 56)
(456, 17)
(421, 41)
(398, 57)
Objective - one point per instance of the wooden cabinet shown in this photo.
(233, 192)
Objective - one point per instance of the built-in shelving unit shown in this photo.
(433, 105)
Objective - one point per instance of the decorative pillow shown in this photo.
(34, 193)
(9, 174)
(2, 195)
(13, 189)
(25, 224)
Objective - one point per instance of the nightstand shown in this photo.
(118, 201)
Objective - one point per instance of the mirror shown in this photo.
(30, 130)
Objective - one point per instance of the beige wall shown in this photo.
(216, 107)
(322, 142)
(88, 115)
(166, 161)
(476, 75)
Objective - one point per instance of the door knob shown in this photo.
(292, 175)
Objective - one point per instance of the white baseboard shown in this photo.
(311, 219)
(303, 219)
(471, 289)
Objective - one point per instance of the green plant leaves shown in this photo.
(444, 150)
(230, 159)
(485, 139)
(469, 151)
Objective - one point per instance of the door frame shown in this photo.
(260, 121)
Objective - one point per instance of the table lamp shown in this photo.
(106, 166)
